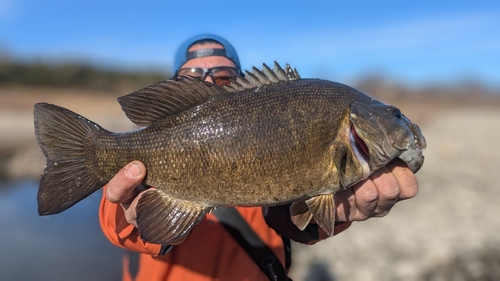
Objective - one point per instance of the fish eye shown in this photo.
(396, 112)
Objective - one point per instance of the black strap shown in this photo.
(251, 243)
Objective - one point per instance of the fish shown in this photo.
(269, 138)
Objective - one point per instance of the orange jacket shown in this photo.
(209, 252)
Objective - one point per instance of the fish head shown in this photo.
(380, 133)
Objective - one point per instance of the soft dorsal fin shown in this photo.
(258, 78)
(166, 98)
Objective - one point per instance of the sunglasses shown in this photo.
(221, 75)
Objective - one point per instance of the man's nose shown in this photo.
(209, 79)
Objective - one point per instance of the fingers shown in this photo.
(388, 189)
(375, 196)
(366, 199)
(345, 205)
(122, 187)
(406, 179)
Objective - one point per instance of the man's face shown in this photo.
(208, 62)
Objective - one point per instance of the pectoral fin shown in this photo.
(162, 219)
(322, 208)
(300, 214)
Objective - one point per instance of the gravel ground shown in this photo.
(449, 231)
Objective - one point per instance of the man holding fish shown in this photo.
(209, 251)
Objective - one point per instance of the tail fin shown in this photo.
(65, 139)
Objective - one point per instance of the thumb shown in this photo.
(121, 187)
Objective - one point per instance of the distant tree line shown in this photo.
(74, 75)
(86, 76)
(381, 87)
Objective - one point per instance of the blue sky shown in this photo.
(411, 41)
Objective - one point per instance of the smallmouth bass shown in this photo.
(269, 138)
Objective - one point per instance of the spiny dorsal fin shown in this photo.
(166, 98)
(266, 76)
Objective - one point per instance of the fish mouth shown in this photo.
(413, 155)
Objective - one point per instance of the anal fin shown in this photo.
(162, 219)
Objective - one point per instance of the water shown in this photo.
(67, 246)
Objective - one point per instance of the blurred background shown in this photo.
(436, 60)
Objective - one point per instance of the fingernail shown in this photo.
(133, 170)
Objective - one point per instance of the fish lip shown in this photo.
(413, 154)
(413, 158)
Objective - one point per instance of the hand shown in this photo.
(125, 189)
(375, 196)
